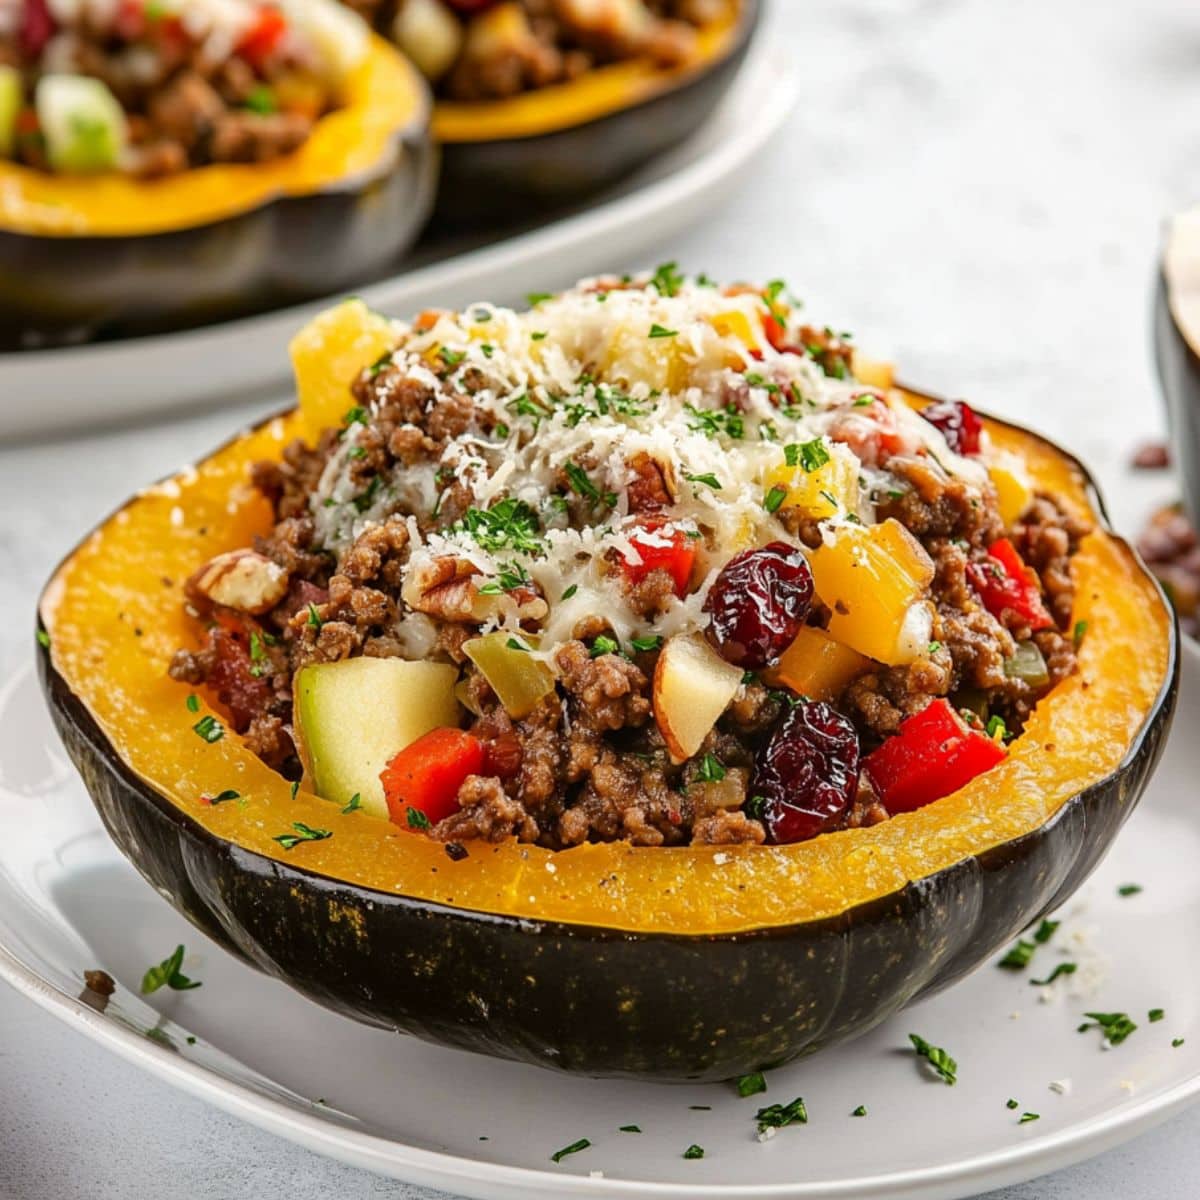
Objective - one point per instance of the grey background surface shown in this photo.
(975, 188)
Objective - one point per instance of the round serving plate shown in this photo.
(45, 391)
(484, 1128)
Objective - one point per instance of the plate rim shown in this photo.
(441, 1169)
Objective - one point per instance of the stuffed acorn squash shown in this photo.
(542, 103)
(167, 164)
(548, 678)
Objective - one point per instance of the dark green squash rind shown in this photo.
(66, 290)
(511, 180)
(594, 1000)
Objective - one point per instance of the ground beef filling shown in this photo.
(184, 106)
(589, 763)
(520, 45)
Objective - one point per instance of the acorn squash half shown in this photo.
(697, 962)
(505, 160)
(110, 255)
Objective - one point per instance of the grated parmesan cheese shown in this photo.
(598, 380)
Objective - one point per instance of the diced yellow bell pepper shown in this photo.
(736, 323)
(816, 666)
(830, 489)
(1013, 489)
(874, 579)
(327, 355)
(873, 372)
(517, 678)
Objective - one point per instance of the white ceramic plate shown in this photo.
(114, 381)
(483, 1128)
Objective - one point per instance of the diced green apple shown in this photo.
(11, 99)
(354, 716)
(83, 124)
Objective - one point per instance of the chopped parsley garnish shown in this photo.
(43, 639)
(258, 656)
(712, 771)
(755, 807)
(314, 617)
(355, 803)
(996, 728)
(1080, 629)
(1129, 889)
(533, 299)
(365, 499)
(755, 1082)
(304, 833)
(261, 99)
(629, 1129)
(754, 379)
(168, 974)
(516, 644)
(570, 591)
(1018, 958)
(580, 484)
(193, 703)
(860, 1111)
(658, 331)
(694, 1151)
(538, 335)
(358, 415)
(865, 400)
(779, 1116)
(1155, 1014)
(1045, 931)
(1026, 1117)
(1010, 1104)
(509, 524)
(809, 455)
(1176, 1043)
(357, 452)
(573, 1148)
(226, 795)
(509, 577)
(1063, 968)
(645, 643)
(714, 421)
(415, 818)
(937, 1058)
(295, 787)
(774, 498)
(1115, 1026)
(209, 728)
(667, 279)
(524, 406)
(933, 647)
(451, 357)
(707, 478)
(605, 645)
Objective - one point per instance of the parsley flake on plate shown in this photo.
(755, 1081)
(573, 1148)
(779, 1116)
(168, 974)
(304, 833)
(937, 1058)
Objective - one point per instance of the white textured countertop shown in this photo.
(975, 188)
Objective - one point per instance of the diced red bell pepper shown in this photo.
(1005, 582)
(932, 755)
(427, 774)
(263, 36)
(774, 332)
(668, 550)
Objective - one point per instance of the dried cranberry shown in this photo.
(758, 603)
(959, 423)
(37, 27)
(806, 776)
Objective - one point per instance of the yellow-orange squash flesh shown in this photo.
(126, 577)
(381, 96)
